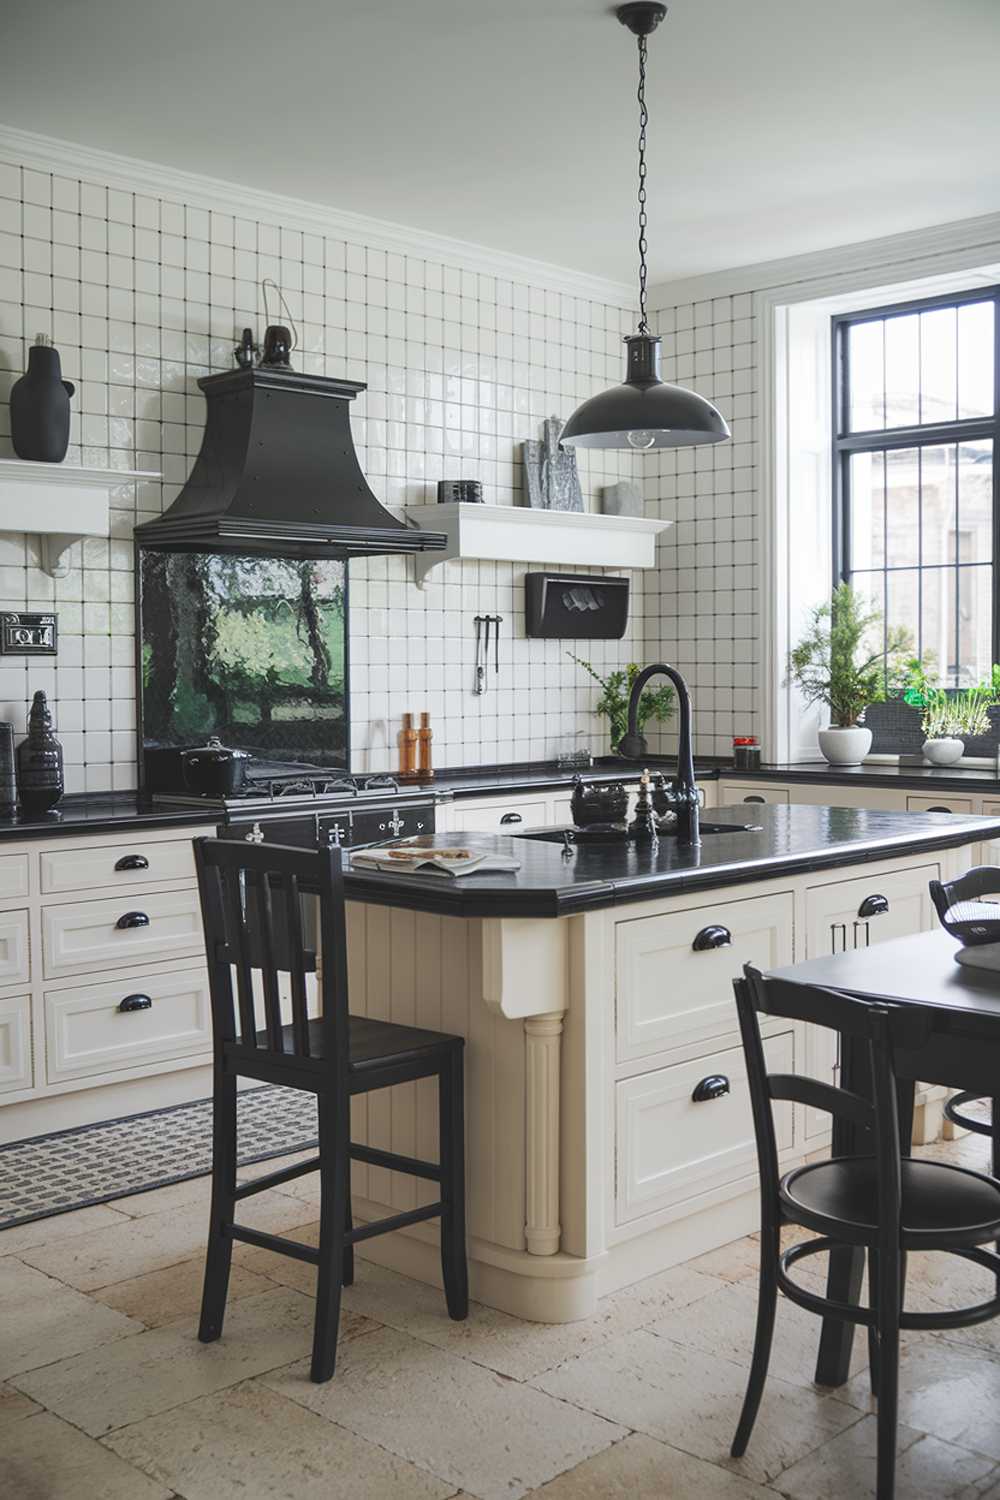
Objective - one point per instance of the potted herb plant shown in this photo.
(949, 719)
(836, 664)
(655, 704)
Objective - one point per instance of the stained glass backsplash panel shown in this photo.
(251, 649)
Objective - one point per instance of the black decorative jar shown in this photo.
(39, 407)
(40, 781)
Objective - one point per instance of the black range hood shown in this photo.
(278, 474)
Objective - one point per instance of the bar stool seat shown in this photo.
(372, 1043)
(937, 1200)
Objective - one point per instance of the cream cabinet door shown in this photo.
(500, 817)
(135, 928)
(671, 1147)
(674, 973)
(989, 852)
(853, 914)
(938, 804)
(752, 792)
(15, 1044)
(102, 1027)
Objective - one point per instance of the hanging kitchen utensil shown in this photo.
(479, 686)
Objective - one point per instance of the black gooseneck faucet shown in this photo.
(630, 746)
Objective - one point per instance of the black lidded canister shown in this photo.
(39, 761)
(8, 775)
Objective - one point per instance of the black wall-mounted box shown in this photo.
(575, 606)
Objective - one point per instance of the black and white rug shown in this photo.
(51, 1174)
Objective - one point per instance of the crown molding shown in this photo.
(42, 153)
(961, 243)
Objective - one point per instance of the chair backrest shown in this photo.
(255, 923)
(882, 1030)
(969, 907)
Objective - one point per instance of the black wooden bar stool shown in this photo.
(881, 1201)
(251, 907)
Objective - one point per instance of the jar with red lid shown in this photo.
(746, 752)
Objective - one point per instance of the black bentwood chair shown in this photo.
(251, 907)
(882, 1202)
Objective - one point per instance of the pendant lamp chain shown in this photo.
(643, 122)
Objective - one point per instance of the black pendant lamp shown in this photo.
(644, 412)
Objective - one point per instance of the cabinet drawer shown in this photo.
(939, 804)
(734, 791)
(85, 935)
(15, 966)
(118, 866)
(14, 878)
(669, 1148)
(15, 1044)
(502, 817)
(669, 993)
(87, 1033)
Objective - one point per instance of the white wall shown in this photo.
(144, 284)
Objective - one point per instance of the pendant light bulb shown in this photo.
(644, 411)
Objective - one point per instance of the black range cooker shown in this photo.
(310, 807)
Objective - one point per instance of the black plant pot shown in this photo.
(39, 408)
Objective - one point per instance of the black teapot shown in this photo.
(598, 802)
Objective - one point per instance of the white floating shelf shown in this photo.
(60, 504)
(519, 533)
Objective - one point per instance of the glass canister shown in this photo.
(746, 753)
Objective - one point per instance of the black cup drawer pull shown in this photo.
(873, 906)
(713, 936)
(135, 1002)
(755, 799)
(511, 818)
(132, 919)
(716, 1086)
(939, 809)
(132, 862)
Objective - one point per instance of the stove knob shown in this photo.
(255, 836)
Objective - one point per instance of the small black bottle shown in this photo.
(8, 774)
(40, 780)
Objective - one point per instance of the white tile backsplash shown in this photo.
(143, 294)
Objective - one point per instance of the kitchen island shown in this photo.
(609, 1130)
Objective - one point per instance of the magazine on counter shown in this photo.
(454, 862)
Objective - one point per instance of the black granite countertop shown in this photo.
(104, 812)
(782, 841)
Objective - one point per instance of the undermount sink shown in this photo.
(610, 836)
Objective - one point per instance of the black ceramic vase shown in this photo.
(39, 407)
(39, 761)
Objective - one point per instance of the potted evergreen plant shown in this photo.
(657, 704)
(836, 664)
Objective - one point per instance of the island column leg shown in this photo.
(543, 1048)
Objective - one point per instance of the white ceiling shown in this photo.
(778, 126)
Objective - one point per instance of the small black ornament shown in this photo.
(39, 407)
(40, 780)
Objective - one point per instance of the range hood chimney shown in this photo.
(277, 474)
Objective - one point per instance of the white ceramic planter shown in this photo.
(944, 752)
(845, 747)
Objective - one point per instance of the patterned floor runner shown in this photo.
(52, 1174)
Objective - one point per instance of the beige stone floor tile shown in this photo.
(15, 1405)
(506, 1344)
(162, 1297)
(491, 1436)
(949, 1390)
(723, 1326)
(926, 1468)
(166, 1199)
(733, 1262)
(42, 1321)
(164, 1367)
(46, 1459)
(692, 1401)
(134, 1247)
(59, 1227)
(249, 1443)
(640, 1468)
(282, 1268)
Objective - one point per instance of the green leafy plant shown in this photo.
(657, 704)
(962, 715)
(837, 664)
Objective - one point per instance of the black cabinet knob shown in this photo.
(755, 799)
(511, 818)
(873, 906)
(713, 936)
(715, 1086)
(135, 1002)
(132, 919)
(939, 809)
(132, 862)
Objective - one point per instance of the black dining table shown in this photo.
(963, 1053)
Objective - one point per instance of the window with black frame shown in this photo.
(916, 508)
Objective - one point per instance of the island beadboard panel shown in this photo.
(143, 294)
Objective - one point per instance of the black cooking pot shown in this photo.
(213, 770)
(603, 802)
